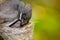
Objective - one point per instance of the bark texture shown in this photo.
(24, 33)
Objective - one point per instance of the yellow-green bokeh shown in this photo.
(46, 17)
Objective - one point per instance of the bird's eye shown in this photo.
(16, 7)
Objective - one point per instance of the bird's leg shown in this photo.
(20, 19)
(13, 22)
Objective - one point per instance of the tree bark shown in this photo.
(23, 33)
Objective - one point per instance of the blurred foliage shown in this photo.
(1, 1)
(1, 38)
(46, 17)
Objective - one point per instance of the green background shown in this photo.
(46, 17)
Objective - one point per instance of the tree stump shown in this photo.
(24, 33)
